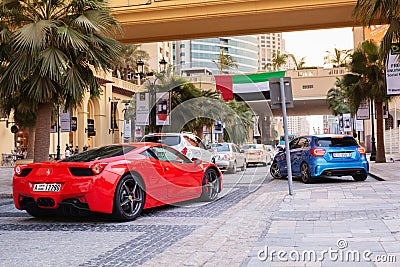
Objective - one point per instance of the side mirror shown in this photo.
(241, 150)
(208, 146)
(196, 161)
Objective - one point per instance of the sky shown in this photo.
(313, 44)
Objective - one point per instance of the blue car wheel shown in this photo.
(275, 171)
(305, 173)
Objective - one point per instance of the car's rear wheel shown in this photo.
(305, 173)
(233, 170)
(211, 185)
(244, 167)
(129, 198)
(360, 177)
(275, 171)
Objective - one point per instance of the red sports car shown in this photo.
(118, 179)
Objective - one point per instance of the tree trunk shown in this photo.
(199, 131)
(43, 123)
(31, 143)
(380, 135)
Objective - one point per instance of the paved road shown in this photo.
(97, 241)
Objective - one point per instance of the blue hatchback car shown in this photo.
(322, 155)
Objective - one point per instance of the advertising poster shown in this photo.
(393, 71)
(347, 122)
(138, 131)
(142, 108)
(162, 108)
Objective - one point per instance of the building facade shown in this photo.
(204, 53)
(268, 45)
(96, 122)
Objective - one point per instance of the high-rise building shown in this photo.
(204, 53)
(268, 45)
(157, 52)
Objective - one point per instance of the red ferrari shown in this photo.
(118, 179)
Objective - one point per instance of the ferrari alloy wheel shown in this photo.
(305, 173)
(275, 171)
(211, 185)
(129, 198)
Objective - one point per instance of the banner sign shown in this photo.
(393, 71)
(363, 111)
(113, 116)
(138, 131)
(163, 108)
(142, 108)
(65, 118)
(347, 122)
(127, 129)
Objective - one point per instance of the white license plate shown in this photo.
(341, 155)
(47, 187)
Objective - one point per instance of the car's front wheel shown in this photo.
(305, 173)
(129, 198)
(211, 185)
(275, 171)
(360, 177)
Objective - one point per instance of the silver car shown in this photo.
(229, 157)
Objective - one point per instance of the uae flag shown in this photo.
(248, 87)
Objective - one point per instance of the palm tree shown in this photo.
(339, 58)
(129, 56)
(298, 63)
(367, 82)
(279, 60)
(53, 44)
(238, 119)
(225, 62)
(337, 100)
(385, 11)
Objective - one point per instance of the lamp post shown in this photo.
(373, 148)
(152, 89)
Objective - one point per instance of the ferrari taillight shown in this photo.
(184, 151)
(361, 150)
(227, 156)
(317, 152)
(98, 167)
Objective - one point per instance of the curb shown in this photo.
(376, 177)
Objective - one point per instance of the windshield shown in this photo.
(166, 140)
(335, 142)
(100, 153)
(221, 147)
(252, 146)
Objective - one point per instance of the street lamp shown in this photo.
(373, 148)
(152, 88)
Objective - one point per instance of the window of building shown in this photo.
(307, 87)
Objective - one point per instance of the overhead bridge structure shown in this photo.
(165, 20)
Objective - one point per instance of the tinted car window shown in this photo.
(166, 140)
(169, 154)
(335, 142)
(100, 153)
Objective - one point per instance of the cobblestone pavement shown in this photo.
(253, 217)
